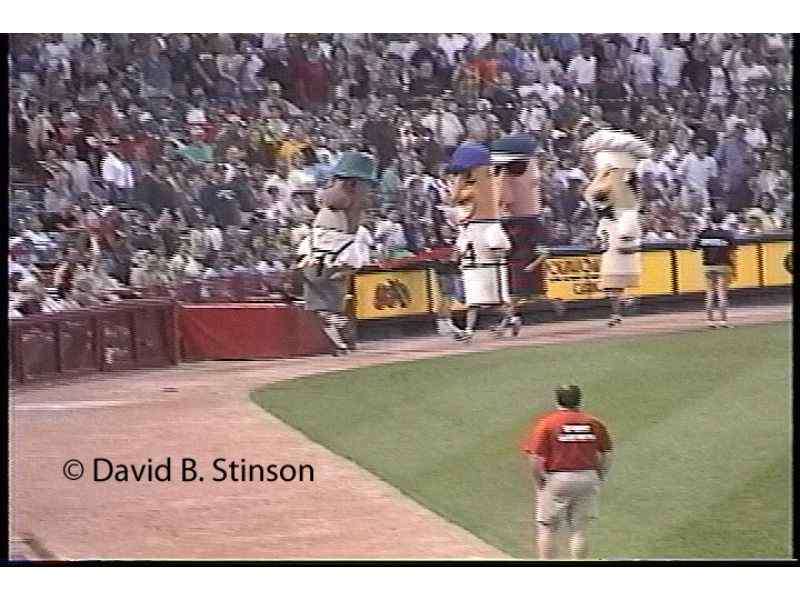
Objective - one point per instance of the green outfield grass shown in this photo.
(701, 421)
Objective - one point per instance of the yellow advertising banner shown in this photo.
(391, 294)
(746, 267)
(656, 279)
(578, 277)
(690, 271)
(691, 277)
(573, 277)
(778, 263)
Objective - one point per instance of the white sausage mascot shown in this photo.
(614, 194)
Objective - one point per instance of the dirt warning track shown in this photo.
(203, 411)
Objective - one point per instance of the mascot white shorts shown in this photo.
(483, 246)
(486, 283)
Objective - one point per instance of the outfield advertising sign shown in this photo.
(577, 277)
(778, 267)
(392, 294)
(573, 277)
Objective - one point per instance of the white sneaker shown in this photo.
(614, 320)
(711, 324)
(516, 325)
(725, 325)
(465, 336)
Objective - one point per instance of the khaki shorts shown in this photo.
(568, 496)
(723, 270)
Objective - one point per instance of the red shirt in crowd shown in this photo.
(567, 440)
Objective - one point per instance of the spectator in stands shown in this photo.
(582, 70)
(697, 170)
(80, 176)
(610, 95)
(733, 157)
(670, 60)
(116, 173)
(390, 235)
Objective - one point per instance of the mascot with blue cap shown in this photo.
(482, 243)
(328, 256)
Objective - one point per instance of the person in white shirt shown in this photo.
(272, 41)
(451, 43)
(253, 64)
(755, 135)
(546, 88)
(654, 40)
(405, 49)
(732, 58)
(389, 234)
(670, 60)
(582, 69)
(213, 235)
(533, 115)
(739, 116)
(549, 69)
(446, 127)
(116, 173)
(696, 170)
(748, 73)
(658, 170)
(772, 179)
(80, 175)
(718, 86)
(643, 69)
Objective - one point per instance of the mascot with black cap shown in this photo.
(516, 175)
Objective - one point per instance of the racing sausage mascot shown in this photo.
(614, 194)
(517, 180)
(482, 243)
(328, 256)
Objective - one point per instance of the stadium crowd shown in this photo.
(141, 163)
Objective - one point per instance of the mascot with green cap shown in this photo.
(328, 256)
(614, 194)
(482, 243)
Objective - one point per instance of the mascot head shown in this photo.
(472, 192)
(349, 192)
(616, 153)
(516, 175)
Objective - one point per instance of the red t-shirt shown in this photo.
(568, 440)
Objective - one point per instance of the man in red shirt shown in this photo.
(570, 451)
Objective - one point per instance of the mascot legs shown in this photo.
(615, 296)
(509, 320)
(333, 326)
(469, 329)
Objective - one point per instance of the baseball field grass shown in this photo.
(701, 422)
